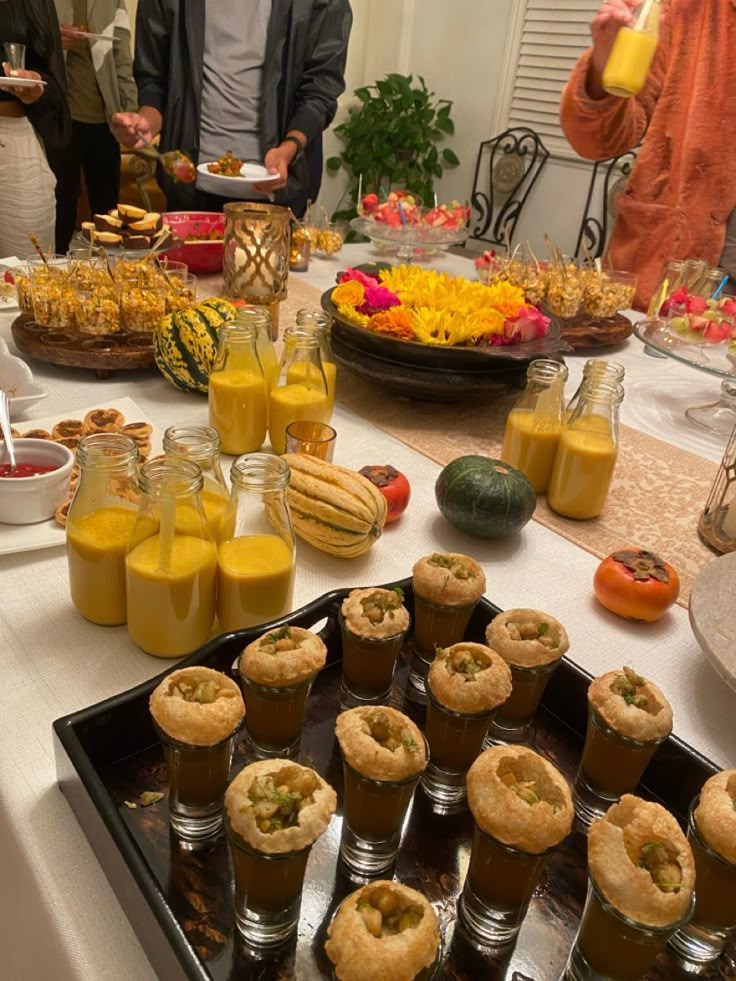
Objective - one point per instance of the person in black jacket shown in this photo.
(31, 117)
(261, 79)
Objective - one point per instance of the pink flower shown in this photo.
(378, 298)
(358, 276)
(527, 325)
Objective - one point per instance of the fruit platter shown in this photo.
(461, 341)
(398, 222)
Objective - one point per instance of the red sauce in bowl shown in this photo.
(25, 470)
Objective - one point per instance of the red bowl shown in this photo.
(201, 252)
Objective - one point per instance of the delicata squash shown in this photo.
(337, 510)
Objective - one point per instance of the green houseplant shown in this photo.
(391, 139)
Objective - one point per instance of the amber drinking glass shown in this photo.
(275, 717)
(514, 720)
(368, 665)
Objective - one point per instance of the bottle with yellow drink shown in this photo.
(255, 571)
(595, 369)
(237, 391)
(171, 565)
(201, 445)
(260, 318)
(632, 54)
(99, 523)
(587, 453)
(301, 390)
(321, 323)
(534, 424)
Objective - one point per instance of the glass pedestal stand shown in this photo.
(714, 359)
(409, 243)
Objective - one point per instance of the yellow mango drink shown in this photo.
(304, 399)
(95, 546)
(255, 580)
(586, 457)
(534, 424)
(297, 374)
(201, 445)
(260, 318)
(171, 575)
(237, 391)
(99, 523)
(319, 322)
(632, 54)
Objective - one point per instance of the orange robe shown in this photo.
(682, 188)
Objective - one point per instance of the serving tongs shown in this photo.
(5, 428)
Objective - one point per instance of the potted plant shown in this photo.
(391, 140)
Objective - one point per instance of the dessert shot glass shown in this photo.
(522, 809)
(197, 713)
(314, 438)
(532, 644)
(628, 719)
(641, 876)
(275, 811)
(384, 930)
(384, 755)
(711, 833)
(447, 587)
(465, 685)
(373, 625)
(15, 55)
(276, 672)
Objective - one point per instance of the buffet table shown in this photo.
(59, 918)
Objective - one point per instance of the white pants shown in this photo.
(27, 186)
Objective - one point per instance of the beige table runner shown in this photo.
(658, 490)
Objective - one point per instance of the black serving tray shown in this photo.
(179, 901)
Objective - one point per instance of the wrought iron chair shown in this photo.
(507, 168)
(594, 227)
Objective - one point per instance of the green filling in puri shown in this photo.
(385, 913)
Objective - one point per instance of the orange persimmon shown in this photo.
(636, 584)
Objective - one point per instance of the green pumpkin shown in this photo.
(185, 343)
(485, 497)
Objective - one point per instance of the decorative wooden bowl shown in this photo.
(101, 353)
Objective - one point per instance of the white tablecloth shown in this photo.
(59, 918)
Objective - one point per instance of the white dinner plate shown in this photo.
(47, 534)
(256, 174)
(713, 615)
(6, 82)
(97, 37)
(249, 174)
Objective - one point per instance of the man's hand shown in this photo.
(70, 37)
(277, 161)
(613, 15)
(27, 94)
(136, 129)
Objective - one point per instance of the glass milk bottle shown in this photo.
(171, 564)
(255, 578)
(260, 318)
(237, 391)
(99, 523)
(587, 453)
(201, 445)
(301, 390)
(633, 51)
(596, 369)
(321, 322)
(535, 422)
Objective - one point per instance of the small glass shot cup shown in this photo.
(15, 55)
(455, 739)
(274, 717)
(368, 666)
(182, 295)
(514, 721)
(268, 891)
(198, 778)
(314, 438)
(498, 889)
(434, 626)
(609, 945)
(713, 924)
(375, 813)
(611, 765)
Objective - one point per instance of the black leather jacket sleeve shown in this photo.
(323, 80)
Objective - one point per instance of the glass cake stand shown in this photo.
(409, 242)
(714, 359)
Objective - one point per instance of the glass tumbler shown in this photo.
(368, 666)
(514, 720)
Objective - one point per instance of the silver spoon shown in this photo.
(5, 427)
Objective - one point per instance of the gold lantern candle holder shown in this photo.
(717, 525)
(256, 255)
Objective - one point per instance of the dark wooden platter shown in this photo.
(101, 353)
(585, 331)
(180, 901)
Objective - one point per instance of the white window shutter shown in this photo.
(554, 33)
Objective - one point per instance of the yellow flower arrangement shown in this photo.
(350, 294)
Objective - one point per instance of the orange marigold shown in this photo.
(396, 321)
(349, 294)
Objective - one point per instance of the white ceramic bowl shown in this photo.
(17, 380)
(26, 500)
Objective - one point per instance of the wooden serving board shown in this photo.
(102, 353)
(586, 331)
